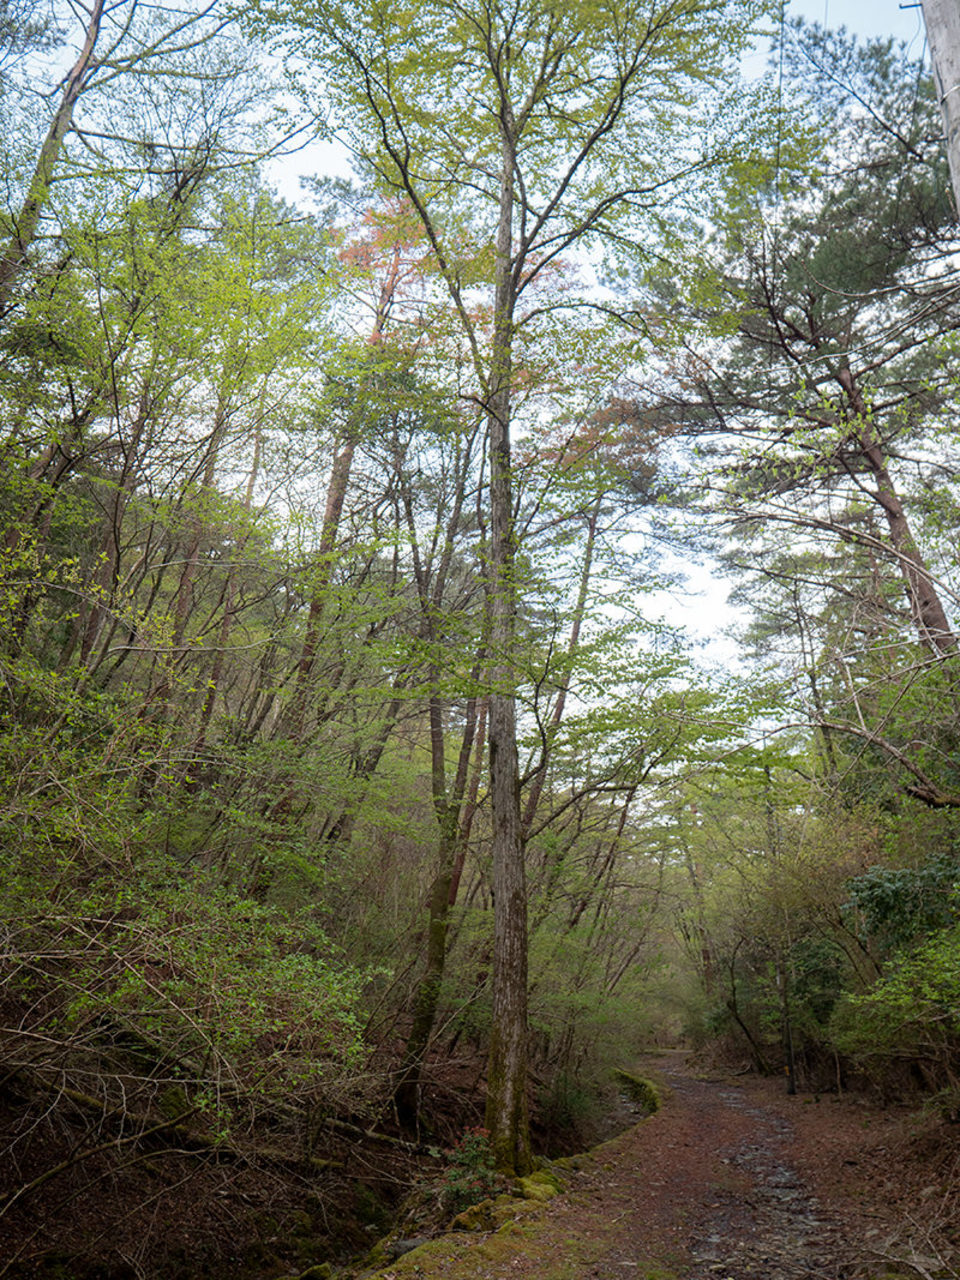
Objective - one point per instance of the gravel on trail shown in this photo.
(717, 1196)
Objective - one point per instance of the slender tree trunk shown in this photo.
(28, 219)
(471, 804)
(926, 608)
(825, 737)
(443, 896)
(363, 767)
(49, 473)
(507, 1115)
(226, 622)
(786, 1026)
(188, 576)
(759, 1061)
(184, 597)
(707, 965)
(535, 789)
(103, 600)
(295, 719)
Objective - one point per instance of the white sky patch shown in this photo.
(700, 605)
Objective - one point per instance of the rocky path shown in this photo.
(716, 1196)
(775, 1228)
(729, 1181)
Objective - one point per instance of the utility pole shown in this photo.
(942, 19)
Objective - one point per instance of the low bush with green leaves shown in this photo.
(172, 979)
(470, 1175)
(912, 1013)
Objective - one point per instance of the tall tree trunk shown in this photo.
(825, 746)
(926, 608)
(942, 21)
(507, 1116)
(443, 896)
(28, 219)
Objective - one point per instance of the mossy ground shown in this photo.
(544, 1254)
(517, 1235)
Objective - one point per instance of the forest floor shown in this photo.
(732, 1180)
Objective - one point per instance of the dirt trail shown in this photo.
(772, 1227)
(731, 1180)
(707, 1190)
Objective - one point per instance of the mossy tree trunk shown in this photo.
(506, 1115)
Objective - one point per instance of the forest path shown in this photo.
(730, 1180)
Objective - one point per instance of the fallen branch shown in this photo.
(192, 1142)
(343, 1126)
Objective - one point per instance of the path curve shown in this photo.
(707, 1189)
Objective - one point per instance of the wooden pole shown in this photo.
(942, 19)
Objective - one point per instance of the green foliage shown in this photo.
(470, 1175)
(817, 972)
(913, 1011)
(183, 980)
(204, 907)
(895, 907)
(129, 952)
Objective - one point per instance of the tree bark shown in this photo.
(507, 1114)
(926, 608)
(443, 897)
(942, 20)
(28, 219)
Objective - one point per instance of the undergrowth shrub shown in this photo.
(470, 1175)
(911, 1015)
(170, 980)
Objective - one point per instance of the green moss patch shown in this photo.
(639, 1090)
(541, 1186)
